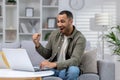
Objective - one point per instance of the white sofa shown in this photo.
(105, 69)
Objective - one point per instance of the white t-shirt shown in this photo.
(63, 49)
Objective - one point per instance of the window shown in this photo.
(82, 23)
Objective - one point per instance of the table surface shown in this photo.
(8, 73)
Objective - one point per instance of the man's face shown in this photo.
(64, 23)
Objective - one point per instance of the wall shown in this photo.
(91, 7)
(118, 11)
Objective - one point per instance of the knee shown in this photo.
(73, 70)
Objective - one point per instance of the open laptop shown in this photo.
(18, 59)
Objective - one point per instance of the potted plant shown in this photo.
(47, 36)
(11, 2)
(113, 38)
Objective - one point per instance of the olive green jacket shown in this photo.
(74, 51)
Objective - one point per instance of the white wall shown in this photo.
(118, 11)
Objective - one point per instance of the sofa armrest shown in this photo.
(106, 70)
(88, 76)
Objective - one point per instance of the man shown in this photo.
(64, 49)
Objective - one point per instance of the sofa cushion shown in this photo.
(89, 77)
(33, 54)
(10, 45)
(89, 61)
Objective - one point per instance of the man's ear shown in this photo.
(71, 20)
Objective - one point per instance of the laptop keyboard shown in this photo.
(38, 69)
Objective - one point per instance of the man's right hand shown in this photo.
(36, 39)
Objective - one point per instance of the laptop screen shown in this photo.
(18, 59)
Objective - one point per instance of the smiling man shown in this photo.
(64, 48)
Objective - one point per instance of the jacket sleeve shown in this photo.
(46, 52)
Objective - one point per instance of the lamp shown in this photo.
(102, 20)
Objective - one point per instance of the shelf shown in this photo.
(50, 6)
(9, 41)
(16, 26)
(48, 29)
(11, 6)
(10, 29)
(29, 17)
(26, 34)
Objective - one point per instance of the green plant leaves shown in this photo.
(113, 39)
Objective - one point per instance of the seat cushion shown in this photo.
(52, 78)
(89, 61)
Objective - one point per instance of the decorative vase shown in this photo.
(53, 2)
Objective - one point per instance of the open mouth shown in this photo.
(61, 28)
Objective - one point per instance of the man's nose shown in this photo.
(59, 24)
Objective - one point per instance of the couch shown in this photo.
(105, 69)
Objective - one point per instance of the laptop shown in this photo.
(18, 59)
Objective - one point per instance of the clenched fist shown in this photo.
(36, 39)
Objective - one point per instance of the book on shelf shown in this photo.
(37, 27)
(20, 29)
(29, 27)
(3, 61)
(24, 28)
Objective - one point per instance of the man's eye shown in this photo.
(57, 21)
(62, 21)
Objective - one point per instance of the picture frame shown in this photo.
(51, 21)
(29, 11)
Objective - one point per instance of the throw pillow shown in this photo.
(89, 62)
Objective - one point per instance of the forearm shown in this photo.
(43, 51)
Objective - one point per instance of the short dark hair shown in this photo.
(68, 13)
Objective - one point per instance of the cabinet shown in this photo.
(29, 18)
(20, 20)
(10, 21)
(49, 13)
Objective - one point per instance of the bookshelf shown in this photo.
(20, 20)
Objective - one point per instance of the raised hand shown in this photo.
(36, 39)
